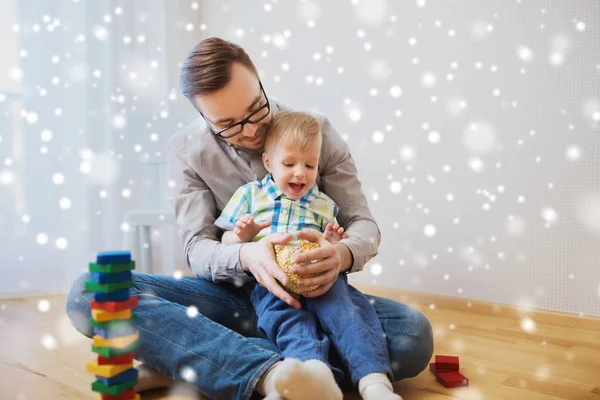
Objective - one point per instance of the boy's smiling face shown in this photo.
(294, 169)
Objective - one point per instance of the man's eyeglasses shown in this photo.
(238, 127)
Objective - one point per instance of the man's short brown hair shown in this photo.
(207, 68)
(293, 128)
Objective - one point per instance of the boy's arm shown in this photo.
(339, 180)
(229, 237)
(195, 211)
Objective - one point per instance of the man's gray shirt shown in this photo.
(205, 171)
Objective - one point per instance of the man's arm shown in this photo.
(195, 212)
(339, 180)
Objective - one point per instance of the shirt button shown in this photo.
(284, 212)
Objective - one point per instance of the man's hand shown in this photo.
(327, 267)
(258, 258)
(246, 228)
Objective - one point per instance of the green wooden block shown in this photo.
(112, 268)
(91, 286)
(113, 390)
(110, 352)
(114, 324)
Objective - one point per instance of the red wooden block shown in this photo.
(128, 395)
(435, 370)
(122, 359)
(451, 379)
(446, 363)
(114, 306)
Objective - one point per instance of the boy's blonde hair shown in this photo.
(293, 127)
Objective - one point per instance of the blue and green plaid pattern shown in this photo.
(265, 201)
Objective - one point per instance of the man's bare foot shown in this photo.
(149, 378)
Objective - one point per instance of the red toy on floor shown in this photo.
(445, 369)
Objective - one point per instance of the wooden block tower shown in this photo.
(115, 335)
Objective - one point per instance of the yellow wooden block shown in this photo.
(117, 343)
(107, 371)
(103, 315)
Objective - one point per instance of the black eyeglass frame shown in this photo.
(243, 122)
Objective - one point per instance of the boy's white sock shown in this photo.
(377, 386)
(312, 379)
(266, 384)
(273, 396)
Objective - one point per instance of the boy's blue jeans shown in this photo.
(222, 343)
(342, 320)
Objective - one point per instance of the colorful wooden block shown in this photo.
(127, 395)
(126, 376)
(120, 359)
(110, 352)
(113, 322)
(451, 379)
(107, 371)
(119, 295)
(446, 363)
(117, 323)
(98, 386)
(113, 257)
(92, 286)
(112, 268)
(101, 277)
(118, 343)
(432, 367)
(103, 316)
(114, 305)
(107, 333)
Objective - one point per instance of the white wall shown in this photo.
(522, 229)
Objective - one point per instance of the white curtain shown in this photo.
(87, 90)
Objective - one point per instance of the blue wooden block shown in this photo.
(119, 295)
(113, 257)
(129, 375)
(100, 277)
(109, 333)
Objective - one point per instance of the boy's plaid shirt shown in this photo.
(265, 201)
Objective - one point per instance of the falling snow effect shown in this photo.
(453, 147)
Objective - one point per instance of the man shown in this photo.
(219, 350)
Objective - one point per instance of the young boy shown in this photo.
(288, 200)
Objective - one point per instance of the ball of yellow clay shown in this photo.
(285, 254)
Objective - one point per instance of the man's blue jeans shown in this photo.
(340, 320)
(222, 343)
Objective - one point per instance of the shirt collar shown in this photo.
(274, 192)
(271, 187)
(312, 194)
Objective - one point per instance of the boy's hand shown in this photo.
(246, 228)
(334, 233)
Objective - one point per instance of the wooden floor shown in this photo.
(506, 353)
